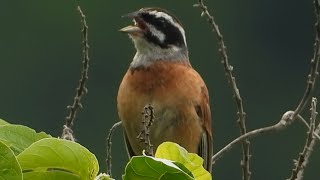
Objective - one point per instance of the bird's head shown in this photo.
(157, 35)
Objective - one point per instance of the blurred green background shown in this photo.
(269, 44)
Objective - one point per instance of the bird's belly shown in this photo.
(163, 128)
(165, 89)
(169, 123)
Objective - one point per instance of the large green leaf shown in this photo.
(193, 162)
(3, 122)
(148, 168)
(52, 158)
(9, 166)
(19, 137)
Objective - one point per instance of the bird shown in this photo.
(160, 74)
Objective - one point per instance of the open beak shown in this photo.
(137, 28)
(131, 29)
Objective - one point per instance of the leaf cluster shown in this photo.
(30, 155)
(26, 154)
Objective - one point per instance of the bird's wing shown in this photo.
(128, 146)
(205, 146)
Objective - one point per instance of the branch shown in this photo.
(297, 172)
(314, 63)
(307, 125)
(228, 70)
(281, 125)
(109, 145)
(289, 116)
(300, 164)
(147, 120)
(67, 132)
(309, 150)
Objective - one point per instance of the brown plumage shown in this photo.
(161, 75)
(181, 103)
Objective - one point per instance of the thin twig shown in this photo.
(245, 164)
(284, 122)
(109, 145)
(297, 172)
(147, 120)
(300, 164)
(314, 63)
(299, 117)
(81, 89)
(281, 125)
(289, 116)
(309, 150)
(307, 125)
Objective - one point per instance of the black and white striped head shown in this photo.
(157, 35)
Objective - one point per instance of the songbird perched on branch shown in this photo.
(160, 74)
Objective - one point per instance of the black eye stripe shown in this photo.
(158, 22)
(155, 40)
(173, 36)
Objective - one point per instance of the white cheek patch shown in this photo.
(156, 32)
(170, 19)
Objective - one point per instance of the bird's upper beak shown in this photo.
(137, 28)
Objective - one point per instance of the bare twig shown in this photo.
(228, 70)
(81, 89)
(300, 164)
(289, 116)
(314, 64)
(281, 125)
(307, 125)
(147, 120)
(309, 150)
(109, 145)
(297, 172)
(304, 122)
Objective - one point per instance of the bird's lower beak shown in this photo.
(131, 29)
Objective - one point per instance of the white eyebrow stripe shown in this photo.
(170, 19)
(156, 32)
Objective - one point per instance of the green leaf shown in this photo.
(52, 158)
(19, 137)
(9, 166)
(3, 122)
(183, 168)
(193, 162)
(148, 168)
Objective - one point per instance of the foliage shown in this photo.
(32, 155)
(148, 167)
(27, 154)
(191, 161)
(171, 161)
(9, 166)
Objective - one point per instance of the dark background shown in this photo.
(269, 44)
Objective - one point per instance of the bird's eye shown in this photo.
(140, 23)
